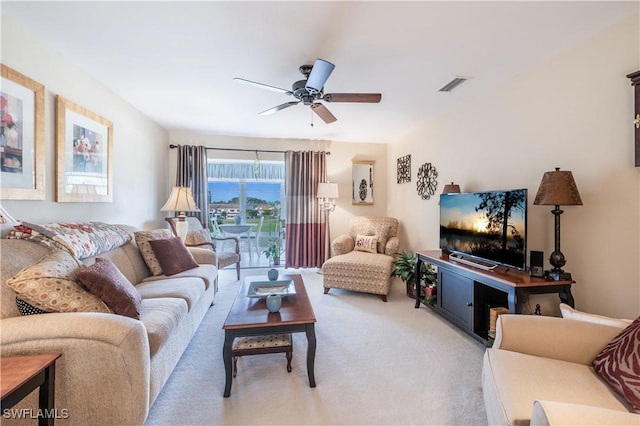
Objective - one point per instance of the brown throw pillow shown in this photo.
(106, 281)
(142, 240)
(619, 364)
(172, 255)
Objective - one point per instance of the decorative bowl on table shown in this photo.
(263, 288)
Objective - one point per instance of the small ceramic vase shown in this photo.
(272, 274)
(274, 302)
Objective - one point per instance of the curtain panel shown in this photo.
(192, 172)
(305, 225)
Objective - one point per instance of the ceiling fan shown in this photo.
(311, 90)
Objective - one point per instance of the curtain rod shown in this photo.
(172, 146)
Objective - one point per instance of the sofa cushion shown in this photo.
(51, 285)
(366, 243)
(207, 273)
(142, 240)
(188, 288)
(571, 313)
(172, 255)
(619, 364)
(161, 317)
(512, 381)
(106, 281)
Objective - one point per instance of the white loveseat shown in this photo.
(539, 371)
(112, 367)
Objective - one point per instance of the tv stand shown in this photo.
(466, 292)
(472, 262)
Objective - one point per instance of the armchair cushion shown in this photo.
(382, 227)
(172, 255)
(366, 243)
(197, 236)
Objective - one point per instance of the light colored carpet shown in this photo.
(376, 363)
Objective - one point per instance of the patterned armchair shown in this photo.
(363, 260)
(197, 236)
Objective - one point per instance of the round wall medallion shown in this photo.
(426, 182)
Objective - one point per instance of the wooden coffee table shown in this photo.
(250, 317)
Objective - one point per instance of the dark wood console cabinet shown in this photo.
(465, 293)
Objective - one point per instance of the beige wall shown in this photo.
(139, 157)
(338, 166)
(572, 112)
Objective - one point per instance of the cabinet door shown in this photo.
(455, 297)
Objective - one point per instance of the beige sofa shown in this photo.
(112, 367)
(539, 371)
(352, 267)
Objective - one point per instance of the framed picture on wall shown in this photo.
(84, 142)
(22, 142)
(362, 185)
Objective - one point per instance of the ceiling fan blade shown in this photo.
(261, 85)
(323, 113)
(279, 107)
(319, 74)
(353, 97)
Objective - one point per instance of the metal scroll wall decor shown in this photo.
(404, 169)
(427, 183)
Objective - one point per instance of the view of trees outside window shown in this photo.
(260, 200)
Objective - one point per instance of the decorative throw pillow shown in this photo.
(142, 240)
(27, 309)
(570, 313)
(50, 284)
(619, 364)
(172, 255)
(366, 243)
(106, 281)
(198, 236)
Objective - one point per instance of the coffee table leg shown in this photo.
(47, 396)
(311, 353)
(229, 335)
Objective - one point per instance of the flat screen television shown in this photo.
(489, 226)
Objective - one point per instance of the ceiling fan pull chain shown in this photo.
(311, 111)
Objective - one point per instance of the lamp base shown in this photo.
(558, 275)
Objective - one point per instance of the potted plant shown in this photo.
(404, 268)
(273, 250)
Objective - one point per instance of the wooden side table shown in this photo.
(21, 375)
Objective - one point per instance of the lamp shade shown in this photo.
(558, 189)
(180, 200)
(451, 188)
(327, 190)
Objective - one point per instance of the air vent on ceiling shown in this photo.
(453, 84)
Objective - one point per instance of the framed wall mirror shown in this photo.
(362, 185)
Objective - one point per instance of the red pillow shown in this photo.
(105, 280)
(172, 255)
(619, 364)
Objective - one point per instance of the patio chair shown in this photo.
(252, 238)
(198, 236)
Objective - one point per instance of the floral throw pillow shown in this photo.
(142, 241)
(367, 243)
(619, 364)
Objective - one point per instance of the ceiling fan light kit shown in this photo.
(311, 90)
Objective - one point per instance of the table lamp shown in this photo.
(557, 189)
(181, 201)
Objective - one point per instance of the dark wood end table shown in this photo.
(22, 374)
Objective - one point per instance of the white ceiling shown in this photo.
(175, 61)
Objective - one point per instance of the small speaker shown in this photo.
(536, 264)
